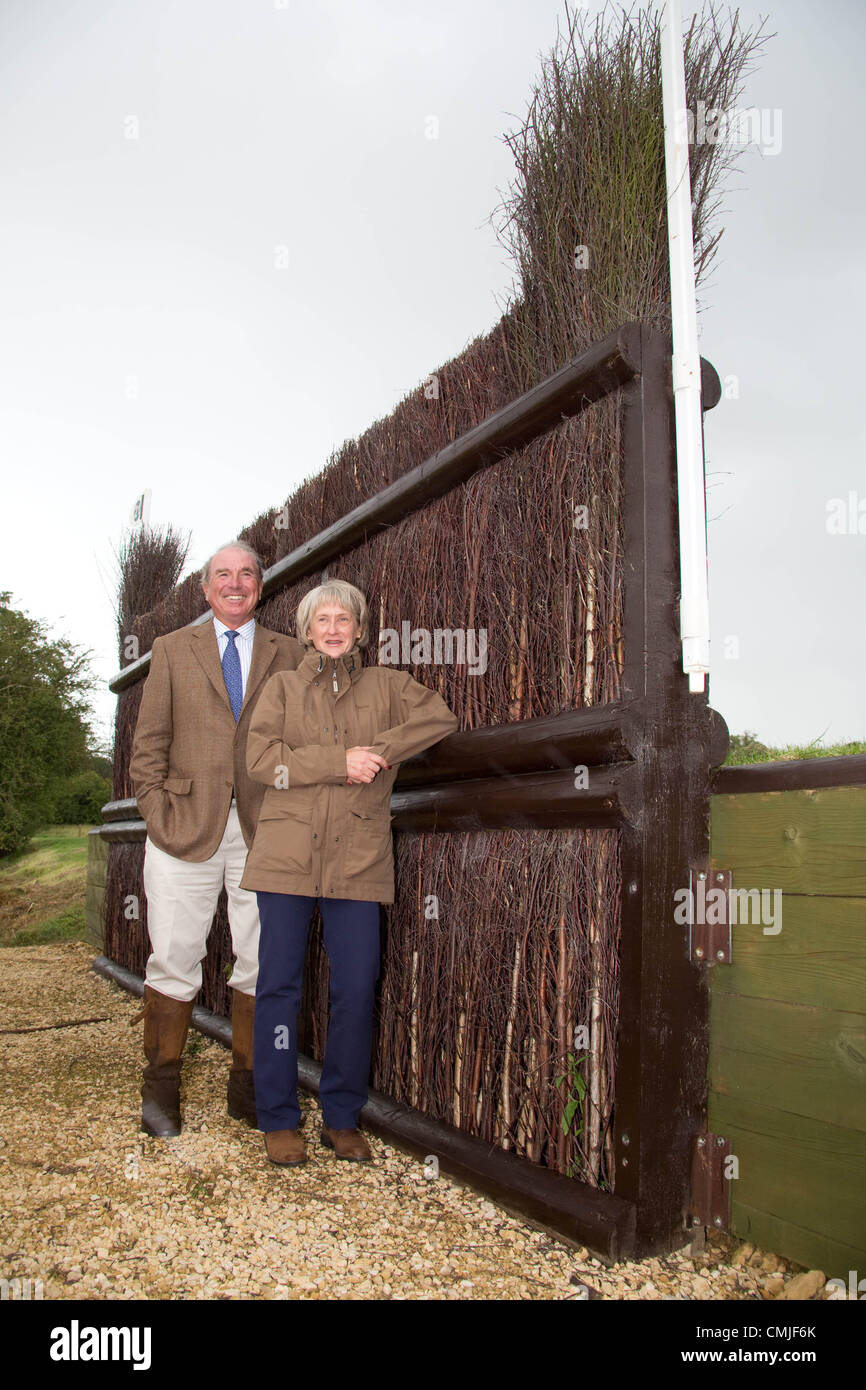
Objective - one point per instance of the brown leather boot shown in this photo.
(241, 1093)
(347, 1143)
(166, 1023)
(285, 1147)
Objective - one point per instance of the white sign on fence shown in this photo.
(141, 510)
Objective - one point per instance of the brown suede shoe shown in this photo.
(285, 1147)
(347, 1143)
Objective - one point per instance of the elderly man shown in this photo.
(191, 783)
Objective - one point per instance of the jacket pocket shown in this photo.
(181, 786)
(283, 842)
(369, 853)
(294, 802)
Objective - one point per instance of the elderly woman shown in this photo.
(326, 740)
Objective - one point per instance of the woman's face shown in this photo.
(333, 630)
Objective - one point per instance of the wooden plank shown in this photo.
(819, 956)
(94, 890)
(801, 842)
(797, 1058)
(805, 1247)
(795, 1168)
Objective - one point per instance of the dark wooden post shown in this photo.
(661, 1080)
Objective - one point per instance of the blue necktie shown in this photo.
(232, 675)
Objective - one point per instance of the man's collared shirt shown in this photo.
(244, 645)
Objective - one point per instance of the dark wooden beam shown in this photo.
(588, 737)
(535, 800)
(124, 832)
(799, 774)
(120, 810)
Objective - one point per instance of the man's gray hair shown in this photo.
(204, 574)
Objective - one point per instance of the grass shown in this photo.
(42, 888)
(746, 748)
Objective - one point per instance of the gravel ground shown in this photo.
(94, 1209)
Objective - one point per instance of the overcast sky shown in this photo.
(228, 245)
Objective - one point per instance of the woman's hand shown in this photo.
(362, 764)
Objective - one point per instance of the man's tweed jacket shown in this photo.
(188, 755)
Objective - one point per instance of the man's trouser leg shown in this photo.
(181, 901)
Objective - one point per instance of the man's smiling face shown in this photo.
(233, 587)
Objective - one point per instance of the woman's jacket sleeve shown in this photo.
(423, 719)
(273, 762)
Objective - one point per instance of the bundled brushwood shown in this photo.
(150, 561)
(125, 907)
(487, 991)
(585, 217)
(125, 720)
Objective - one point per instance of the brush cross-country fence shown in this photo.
(542, 1024)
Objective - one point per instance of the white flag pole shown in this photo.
(694, 597)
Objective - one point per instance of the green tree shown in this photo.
(45, 732)
(80, 798)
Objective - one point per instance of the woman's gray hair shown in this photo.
(204, 573)
(335, 591)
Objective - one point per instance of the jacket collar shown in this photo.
(347, 667)
(206, 648)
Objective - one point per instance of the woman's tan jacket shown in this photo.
(316, 836)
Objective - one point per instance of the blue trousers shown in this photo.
(351, 934)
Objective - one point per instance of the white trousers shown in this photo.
(181, 902)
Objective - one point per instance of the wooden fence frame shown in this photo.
(649, 757)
